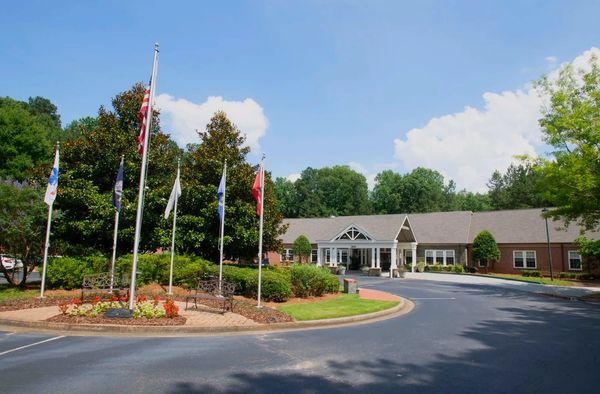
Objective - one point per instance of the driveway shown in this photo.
(460, 338)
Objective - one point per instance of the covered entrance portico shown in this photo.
(355, 248)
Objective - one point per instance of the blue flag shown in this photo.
(52, 182)
(118, 190)
(221, 194)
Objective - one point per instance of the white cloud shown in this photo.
(183, 117)
(293, 177)
(468, 146)
(369, 175)
(551, 59)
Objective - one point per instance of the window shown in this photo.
(482, 263)
(439, 257)
(408, 257)
(524, 259)
(449, 257)
(287, 255)
(342, 255)
(444, 257)
(313, 255)
(429, 256)
(353, 234)
(574, 260)
(327, 255)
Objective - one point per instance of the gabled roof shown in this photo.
(523, 226)
(441, 227)
(461, 227)
(380, 227)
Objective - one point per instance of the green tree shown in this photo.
(485, 248)
(287, 199)
(89, 164)
(337, 190)
(302, 248)
(198, 222)
(474, 202)
(422, 190)
(24, 140)
(571, 180)
(386, 195)
(22, 226)
(517, 188)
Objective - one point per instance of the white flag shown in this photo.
(175, 193)
(52, 182)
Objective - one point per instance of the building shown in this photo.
(386, 241)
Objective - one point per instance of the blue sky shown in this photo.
(372, 84)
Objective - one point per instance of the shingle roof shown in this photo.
(441, 227)
(523, 226)
(380, 227)
(512, 226)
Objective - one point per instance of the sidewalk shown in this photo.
(197, 321)
(558, 291)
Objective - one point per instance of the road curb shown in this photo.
(405, 306)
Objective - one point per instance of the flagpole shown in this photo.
(47, 243)
(114, 251)
(174, 230)
(116, 230)
(140, 204)
(260, 232)
(222, 230)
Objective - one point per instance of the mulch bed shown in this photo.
(264, 315)
(29, 303)
(142, 321)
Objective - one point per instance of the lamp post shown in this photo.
(544, 211)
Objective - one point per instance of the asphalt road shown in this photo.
(460, 338)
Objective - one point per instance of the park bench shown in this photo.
(208, 289)
(96, 284)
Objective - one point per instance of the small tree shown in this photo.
(22, 225)
(485, 248)
(302, 248)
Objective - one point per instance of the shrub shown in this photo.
(571, 275)
(188, 272)
(274, 286)
(459, 269)
(310, 280)
(436, 267)
(421, 266)
(531, 273)
(66, 272)
(472, 270)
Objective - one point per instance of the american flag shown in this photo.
(142, 116)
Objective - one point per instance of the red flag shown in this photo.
(142, 116)
(256, 190)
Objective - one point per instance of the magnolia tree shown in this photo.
(485, 249)
(302, 248)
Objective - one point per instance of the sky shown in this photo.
(372, 84)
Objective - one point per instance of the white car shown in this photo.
(10, 262)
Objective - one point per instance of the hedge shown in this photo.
(67, 272)
(531, 273)
(310, 280)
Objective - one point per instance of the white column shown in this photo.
(414, 256)
(372, 257)
(334, 257)
(378, 257)
(393, 263)
(319, 262)
(466, 256)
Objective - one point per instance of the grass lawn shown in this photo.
(545, 281)
(344, 305)
(13, 293)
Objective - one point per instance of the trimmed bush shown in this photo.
(67, 272)
(471, 270)
(187, 272)
(421, 266)
(531, 273)
(571, 275)
(459, 269)
(436, 267)
(274, 286)
(310, 280)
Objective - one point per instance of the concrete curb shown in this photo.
(405, 306)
